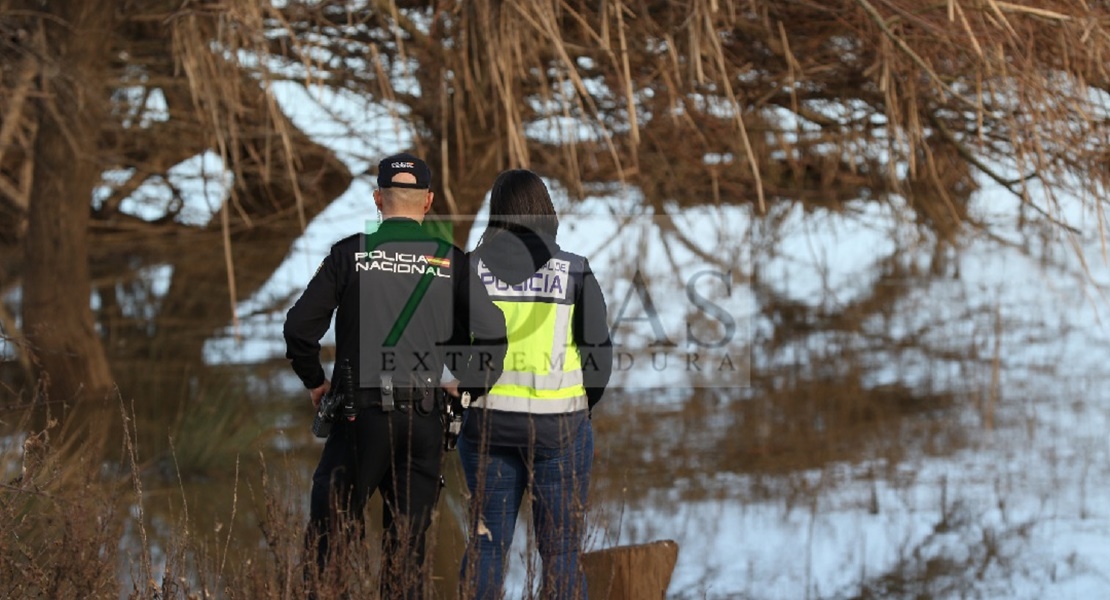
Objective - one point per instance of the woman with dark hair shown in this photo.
(532, 429)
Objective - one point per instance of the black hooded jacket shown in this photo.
(514, 256)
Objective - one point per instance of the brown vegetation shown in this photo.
(698, 102)
(703, 102)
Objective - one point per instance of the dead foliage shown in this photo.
(694, 102)
(699, 102)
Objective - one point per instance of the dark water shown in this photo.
(908, 426)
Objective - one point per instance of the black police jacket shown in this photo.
(406, 304)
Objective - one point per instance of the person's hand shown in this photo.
(451, 387)
(317, 394)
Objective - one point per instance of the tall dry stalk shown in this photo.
(690, 103)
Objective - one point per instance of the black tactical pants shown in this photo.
(399, 454)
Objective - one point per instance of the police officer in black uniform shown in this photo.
(407, 306)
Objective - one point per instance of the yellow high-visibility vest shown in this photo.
(543, 369)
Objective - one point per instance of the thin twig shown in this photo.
(904, 47)
(231, 522)
(129, 433)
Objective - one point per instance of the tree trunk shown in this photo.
(57, 317)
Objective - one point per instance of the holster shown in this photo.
(419, 393)
(451, 412)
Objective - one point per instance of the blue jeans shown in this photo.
(497, 477)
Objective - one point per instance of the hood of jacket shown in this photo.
(515, 256)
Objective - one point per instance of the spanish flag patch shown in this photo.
(437, 261)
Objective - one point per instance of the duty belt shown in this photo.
(388, 396)
(403, 398)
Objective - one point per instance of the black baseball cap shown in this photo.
(404, 162)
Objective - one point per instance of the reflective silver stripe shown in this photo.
(557, 380)
(536, 381)
(559, 341)
(532, 405)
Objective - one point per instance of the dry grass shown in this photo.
(77, 527)
(107, 522)
(192, 518)
(812, 101)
